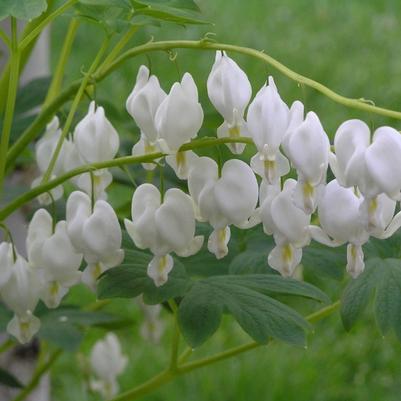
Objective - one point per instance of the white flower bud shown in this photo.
(229, 91)
(95, 137)
(6, 262)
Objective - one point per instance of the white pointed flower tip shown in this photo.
(182, 162)
(383, 161)
(21, 295)
(107, 363)
(284, 219)
(101, 180)
(144, 101)
(218, 242)
(285, 258)
(355, 260)
(6, 262)
(95, 137)
(270, 170)
(159, 268)
(267, 120)
(144, 147)
(228, 88)
(179, 116)
(97, 233)
(309, 149)
(340, 216)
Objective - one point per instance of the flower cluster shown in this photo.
(359, 203)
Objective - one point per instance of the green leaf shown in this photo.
(9, 380)
(259, 315)
(64, 326)
(187, 4)
(164, 11)
(31, 95)
(384, 277)
(275, 284)
(22, 9)
(199, 314)
(130, 280)
(323, 260)
(249, 262)
(356, 295)
(124, 4)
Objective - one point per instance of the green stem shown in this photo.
(4, 37)
(40, 371)
(32, 35)
(6, 345)
(169, 375)
(34, 129)
(208, 45)
(73, 109)
(45, 187)
(58, 76)
(10, 105)
(176, 338)
(118, 47)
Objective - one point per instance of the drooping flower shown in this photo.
(21, 295)
(229, 91)
(222, 201)
(142, 105)
(107, 363)
(95, 233)
(6, 262)
(153, 326)
(178, 119)
(267, 119)
(371, 166)
(341, 222)
(53, 254)
(44, 150)
(289, 226)
(308, 148)
(163, 227)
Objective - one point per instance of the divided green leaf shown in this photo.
(22, 9)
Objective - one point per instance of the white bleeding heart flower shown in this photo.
(222, 201)
(153, 326)
(21, 295)
(267, 120)
(163, 227)
(342, 222)
(52, 253)
(44, 150)
(295, 119)
(181, 163)
(308, 147)
(178, 119)
(289, 226)
(372, 166)
(142, 105)
(6, 262)
(95, 137)
(229, 91)
(95, 233)
(143, 102)
(107, 362)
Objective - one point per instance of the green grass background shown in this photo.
(353, 47)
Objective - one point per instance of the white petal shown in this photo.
(285, 258)
(218, 240)
(355, 262)
(159, 268)
(24, 327)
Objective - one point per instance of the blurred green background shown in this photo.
(351, 46)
